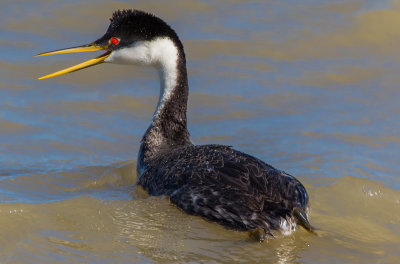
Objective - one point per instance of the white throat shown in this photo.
(161, 53)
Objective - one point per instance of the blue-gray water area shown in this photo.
(310, 87)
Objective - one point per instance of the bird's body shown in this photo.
(226, 186)
(216, 182)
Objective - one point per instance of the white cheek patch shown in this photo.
(137, 54)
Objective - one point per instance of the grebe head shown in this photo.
(133, 37)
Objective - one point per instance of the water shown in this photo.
(311, 87)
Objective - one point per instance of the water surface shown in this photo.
(311, 87)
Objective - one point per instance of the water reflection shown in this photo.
(310, 87)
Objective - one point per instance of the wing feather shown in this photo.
(226, 186)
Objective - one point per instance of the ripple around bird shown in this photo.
(311, 88)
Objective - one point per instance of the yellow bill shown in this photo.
(90, 47)
(92, 62)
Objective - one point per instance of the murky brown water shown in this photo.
(311, 87)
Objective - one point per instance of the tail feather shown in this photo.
(301, 219)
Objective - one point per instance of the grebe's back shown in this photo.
(213, 181)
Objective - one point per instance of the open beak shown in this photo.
(89, 63)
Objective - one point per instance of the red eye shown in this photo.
(115, 41)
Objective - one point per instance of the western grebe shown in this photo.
(216, 182)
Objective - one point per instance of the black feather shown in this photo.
(226, 186)
(217, 182)
(131, 26)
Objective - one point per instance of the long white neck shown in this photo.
(167, 56)
(169, 126)
(161, 53)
